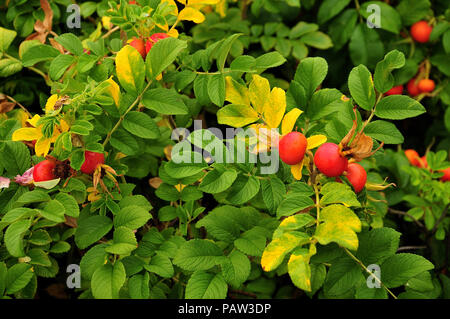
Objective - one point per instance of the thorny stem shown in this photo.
(108, 137)
(359, 262)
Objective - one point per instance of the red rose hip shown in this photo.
(91, 161)
(413, 88)
(292, 148)
(395, 90)
(329, 161)
(357, 176)
(139, 45)
(446, 176)
(426, 85)
(420, 31)
(153, 39)
(413, 157)
(44, 171)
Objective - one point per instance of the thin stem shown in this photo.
(108, 137)
(359, 262)
(317, 204)
(410, 248)
(111, 31)
(46, 78)
(20, 105)
(398, 212)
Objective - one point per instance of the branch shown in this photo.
(398, 212)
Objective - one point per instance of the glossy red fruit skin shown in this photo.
(43, 171)
(91, 161)
(329, 161)
(426, 85)
(420, 31)
(292, 148)
(139, 45)
(395, 90)
(413, 157)
(153, 39)
(357, 176)
(413, 88)
(446, 177)
(132, 2)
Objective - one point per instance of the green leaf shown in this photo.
(132, 217)
(224, 49)
(377, 245)
(6, 38)
(293, 204)
(140, 124)
(217, 181)
(216, 89)
(343, 275)
(399, 268)
(412, 11)
(71, 43)
(92, 229)
(198, 254)
(59, 65)
(17, 277)
(164, 101)
(251, 242)
(124, 241)
(384, 131)
(269, 60)
(398, 107)
(339, 225)
(365, 46)
(93, 259)
(219, 225)
(204, 285)
(39, 257)
(38, 53)
(3, 272)
(138, 286)
(60, 247)
(71, 207)
(236, 268)
(14, 237)
(243, 63)
(160, 265)
(15, 158)
(310, 73)
(330, 8)
(124, 142)
(383, 78)
(9, 67)
(389, 18)
(361, 87)
(163, 53)
(107, 281)
(317, 40)
(299, 269)
(243, 189)
(273, 191)
(54, 211)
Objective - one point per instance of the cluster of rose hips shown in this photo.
(143, 46)
(48, 169)
(421, 162)
(420, 32)
(328, 159)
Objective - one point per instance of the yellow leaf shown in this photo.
(33, 121)
(106, 21)
(340, 225)
(182, 1)
(259, 93)
(42, 146)
(274, 110)
(315, 141)
(203, 2)
(296, 170)
(221, 8)
(289, 120)
(26, 134)
(236, 115)
(235, 92)
(130, 69)
(159, 77)
(299, 269)
(49, 106)
(274, 253)
(114, 90)
(63, 126)
(191, 14)
(173, 33)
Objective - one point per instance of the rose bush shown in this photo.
(214, 148)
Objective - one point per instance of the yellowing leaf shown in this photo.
(259, 93)
(299, 269)
(236, 115)
(26, 134)
(114, 90)
(221, 8)
(289, 120)
(130, 69)
(106, 21)
(296, 170)
(49, 106)
(42, 146)
(173, 33)
(235, 92)
(340, 225)
(203, 2)
(274, 110)
(315, 141)
(274, 253)
(174, 6)
(191, 14)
